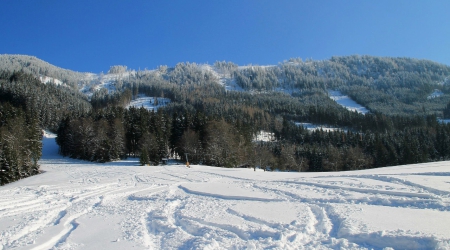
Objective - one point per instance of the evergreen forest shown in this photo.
(216, 111)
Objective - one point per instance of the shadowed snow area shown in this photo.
(121, 205)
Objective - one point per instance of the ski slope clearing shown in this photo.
(224, 79)
(149, 103)
(347, 102)
(312, 127)
(120, 205)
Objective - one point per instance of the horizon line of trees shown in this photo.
(114, 133)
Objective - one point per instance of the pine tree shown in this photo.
(143, 158)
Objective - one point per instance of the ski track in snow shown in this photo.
(120, 205)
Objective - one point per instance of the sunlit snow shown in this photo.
(226, 80)
(264, 136)
(95, 82)
(120, 205)
(312, 127)
(149, 103)
(109, 85)
(47, 79)
(346, 102)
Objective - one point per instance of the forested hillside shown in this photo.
(20, 142)
(215, 112)
(388, 85)
(37, 67)
(26, 107)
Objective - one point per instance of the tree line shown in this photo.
(371, 140)
(227, 139)
(20, 142)
(26, 107)
(217, 127)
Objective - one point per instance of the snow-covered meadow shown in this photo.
(120, 205)
(149, 103)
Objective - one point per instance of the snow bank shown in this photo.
(121, 205)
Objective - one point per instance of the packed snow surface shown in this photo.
(347, 102)
(120, 205)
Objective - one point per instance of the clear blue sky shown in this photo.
(90, 36)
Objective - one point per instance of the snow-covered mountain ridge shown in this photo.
(405, 84)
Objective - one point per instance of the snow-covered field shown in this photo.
(347, 102)
(120, 205)
(312, 127)
(149, 103)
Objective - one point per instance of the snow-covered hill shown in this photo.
(120, 205)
